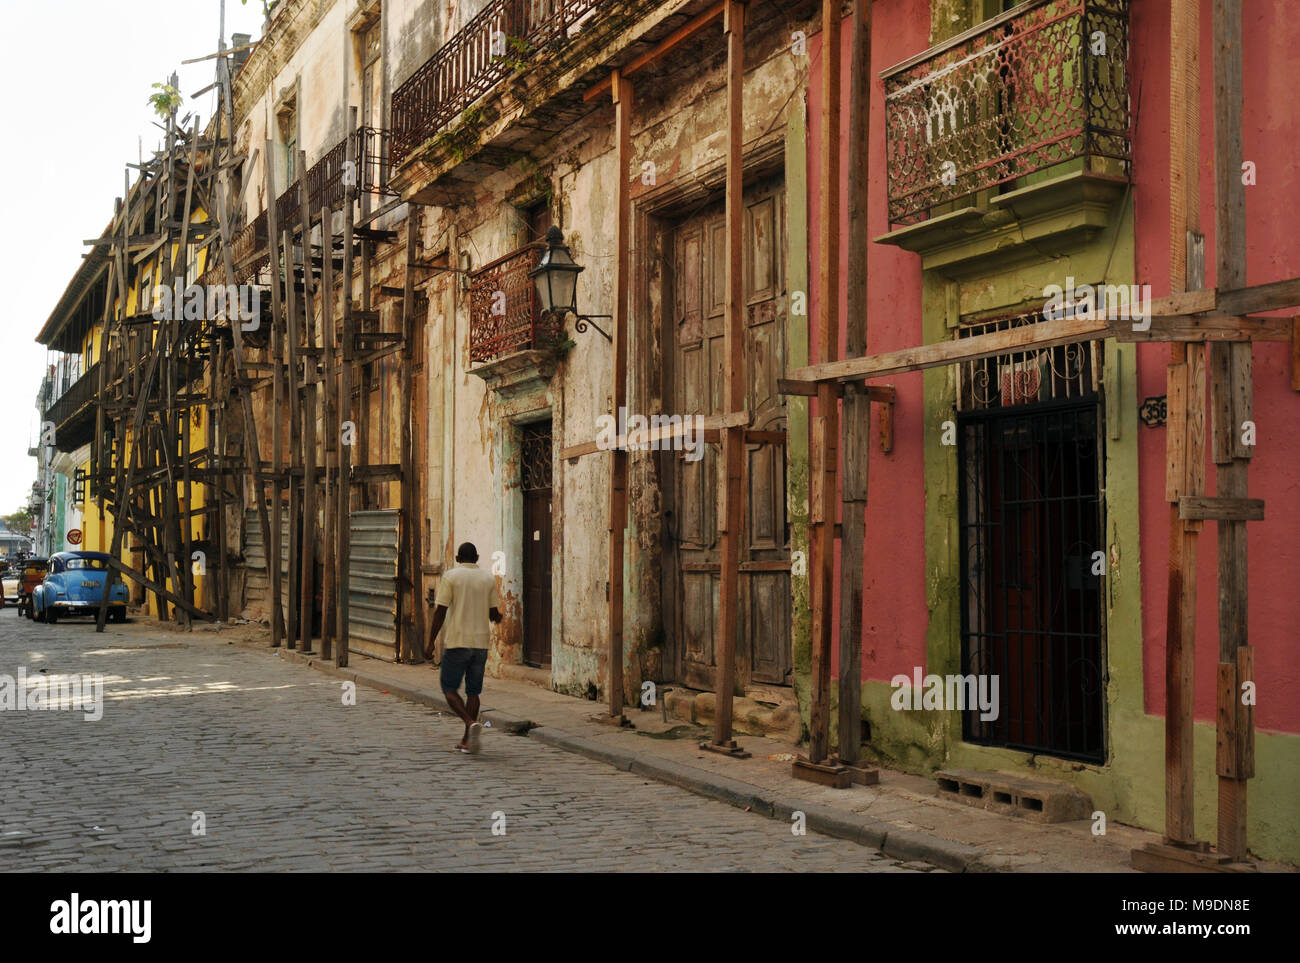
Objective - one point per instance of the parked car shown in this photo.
(33, 571)
(10, 585)
(75, 586)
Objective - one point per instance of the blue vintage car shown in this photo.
(75, 586)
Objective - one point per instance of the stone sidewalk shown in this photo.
(902, 817)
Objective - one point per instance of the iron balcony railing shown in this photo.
(496, 41)
(327, 179)
(249, 251)
(1040, 85)
(505, 314)
(75, 400)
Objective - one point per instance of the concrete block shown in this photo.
(1039, 800)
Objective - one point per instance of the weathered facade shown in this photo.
(395, 174)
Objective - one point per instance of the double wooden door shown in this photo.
(694, 346)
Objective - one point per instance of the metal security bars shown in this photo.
(1030, 523)
(1022, 377)
(505, 315)
(498, 40)
(1042, 84)
(535, 444)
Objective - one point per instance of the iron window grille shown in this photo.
(1030, 455)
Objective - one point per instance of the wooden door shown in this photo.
(697, 333)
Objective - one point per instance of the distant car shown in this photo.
(75, 586)
(11, 583)
(33, 572)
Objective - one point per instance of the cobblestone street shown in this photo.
(287, 777)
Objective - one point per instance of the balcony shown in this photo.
(504, 313)
(73, 412)
(1032, 95)
(325, 180)
(249, 252)
(502, 38)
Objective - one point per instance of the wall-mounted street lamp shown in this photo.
(556, 277)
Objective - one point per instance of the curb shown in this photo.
(891, 841)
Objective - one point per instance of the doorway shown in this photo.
(694, 344)
(1030, 449)
(536, 483)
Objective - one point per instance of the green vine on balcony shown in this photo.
(458, 141)
(519, 46)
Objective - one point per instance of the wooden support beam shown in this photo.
(1221, 509)
(308, 419)
(621, 89)
(673, 40)
(343, 516)
(856, 414)
(825, 422)
(710, 425)
(730, 496)
(177, 600)
(1185, 431)
(273, 547)
(1231, 398)
(411, 625)
(329, 573)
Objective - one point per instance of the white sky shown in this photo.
(77, 75)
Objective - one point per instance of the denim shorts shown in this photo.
(467, 664)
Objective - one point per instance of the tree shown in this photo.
(20, 522)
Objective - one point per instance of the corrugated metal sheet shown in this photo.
(372, 584)
(259, 584)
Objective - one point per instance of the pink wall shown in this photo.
(1271, 129)
(896, 614)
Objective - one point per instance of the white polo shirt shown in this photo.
(468, 592)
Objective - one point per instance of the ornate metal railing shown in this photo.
(504, 313)
(77, 397)
(327, 180)
(496, 41)
(1042, 84)
(249, 250)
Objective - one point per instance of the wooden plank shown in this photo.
(274, 549)
(1231, 400)
(1295, 353)
(1242, 399)
(731, 501)
(712, 424)
(1245, 713)
(1221, 509)
(343, 515)
(329, 577)
(1175, 431)
(412, 627)
(1048, 334)
(621, 90)
(1211, 327)
(1226, 762)
(162, 590)
(1184, 445)
(673, 40)
(308, 418)
(1194, 466)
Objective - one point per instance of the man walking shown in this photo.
(466, 602)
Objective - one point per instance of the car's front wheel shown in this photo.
(51, 616)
